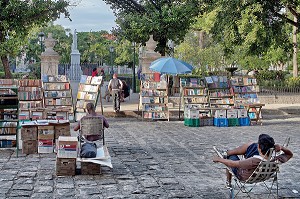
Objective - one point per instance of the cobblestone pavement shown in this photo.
(151, 160)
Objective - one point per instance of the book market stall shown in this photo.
(231, 102)
(9, 111)
(88, 91)
(154, 97)
(58, 97)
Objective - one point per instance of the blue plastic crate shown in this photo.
(244, 121)
(221, 122)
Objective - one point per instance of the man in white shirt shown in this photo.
(115, 86)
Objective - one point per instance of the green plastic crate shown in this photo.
(191, 122)
(233, 122)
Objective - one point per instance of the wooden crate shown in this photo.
(89, 168)
(65, 166)
(62, 130)
(29, 146)
(29, 133)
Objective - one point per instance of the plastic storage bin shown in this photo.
(244, 121)
(192, 122)
(233, 122)
(221, 122)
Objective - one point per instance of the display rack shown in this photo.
(30, 94)
(219, 91)
(154, 97)
(9, 111)
(195, 95)
(58, 97)
(246, 90)
(88, 91)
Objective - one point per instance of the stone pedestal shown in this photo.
(49, 58)
(148, 55)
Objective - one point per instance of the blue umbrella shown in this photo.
(170, 65)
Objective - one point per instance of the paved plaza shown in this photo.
(151, 160)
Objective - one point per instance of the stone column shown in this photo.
(49, 58)
(75, 69)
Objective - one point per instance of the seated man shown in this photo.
(92, 113)
(253, 153)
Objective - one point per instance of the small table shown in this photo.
(256, 109)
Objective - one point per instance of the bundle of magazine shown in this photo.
(57, 78)
(91, 80)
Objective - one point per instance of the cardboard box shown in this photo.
(46, 132)
(65, 166)
(62, 130)
(242, 113)
(191, 114)
(220, 114)
(29, 133)
(89, 168)
(232, 113)
(29, 146)
(67, 147)
(45, 146)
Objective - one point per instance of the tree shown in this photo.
(18, 17)
(256, 26)
(165, 20)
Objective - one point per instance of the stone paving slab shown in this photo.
(151, 160)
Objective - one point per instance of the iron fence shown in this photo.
(263, 90)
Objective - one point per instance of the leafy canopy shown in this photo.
(165, 20)
(19, 16)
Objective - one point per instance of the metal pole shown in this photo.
(111, 63)
(133, 70)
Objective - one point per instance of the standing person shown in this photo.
(115, 86)
(95, 72)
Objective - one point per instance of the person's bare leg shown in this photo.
(241, 150)
(228, 177)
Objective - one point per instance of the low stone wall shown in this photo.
(279, 99)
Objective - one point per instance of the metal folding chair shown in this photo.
(266, 170)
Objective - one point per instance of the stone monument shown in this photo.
(148, 55)
(75, 69)
(49, 58)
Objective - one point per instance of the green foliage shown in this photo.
(293, 82)
(255, 25)
(18, 17)
(165, 20)
(94, 47)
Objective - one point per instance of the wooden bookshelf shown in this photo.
(245, 89)
(9, 111)
(31, 99)
(154, 97)
(88, 91)
(195, 95)
(219, 91)
(58, 97)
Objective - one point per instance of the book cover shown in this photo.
(209, 80)
(45, 78)
(83, 79)
(97, 80)
(215, 79)
(88, 79)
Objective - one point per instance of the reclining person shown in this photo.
(253, 153)
(92, 113)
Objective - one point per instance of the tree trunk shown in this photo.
(5, 63)
(295, 49)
